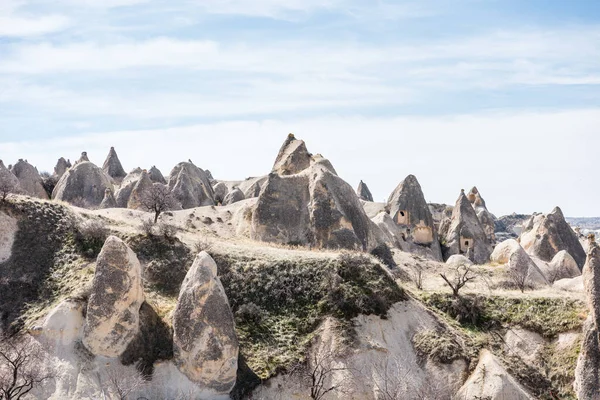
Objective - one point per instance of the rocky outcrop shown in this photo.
(458, 260)
(156, 176)
(83, 184)
(108, 201)
(64, 325)
(190, 186)
(112, 166)
(142, 186)
(410, 211)
(465, 234)
(544, 235)
(61, 167)
(205, 342)
(363, 192)
(312, 207)
(504, 250)
(30, 180)
(491, 381)
(563, 266)
(293, 157)
(233, 197)
(587, 373)
(252, 186)
(487, 219)
(11, 180)
(127, 186)
(83, 157)
(523, 270)
(220, 190)
(112, 317)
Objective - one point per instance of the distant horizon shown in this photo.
(460, 93)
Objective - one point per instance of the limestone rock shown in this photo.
(233, 197)
(465, 234)
(314, 207)
(83, 157)
(112, 318)
(5, 173)
(363, 192)
(221, 190)
(112, 165)
(142, 186)
(156, 176)
(491, 381)
(30, 180)
(544, 235)
(457, 260)
(190, 186)
(504, 250)
(252, 186)
(563, 266)
(487, 219)
(84, 182)
(64, 325)
(293, 157)
(108, 201)
(570, 284)
(127, 185)
(61, 167)
(522, 265)
(204, 339)
(410, 211)
(587, 372)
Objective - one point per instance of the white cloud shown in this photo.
(521, 162)
(16, 23)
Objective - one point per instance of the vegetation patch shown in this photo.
(560, 368)
(278, 304)
(438, 345)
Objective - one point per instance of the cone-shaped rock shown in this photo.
(112, 318)
(475, 198)
(220, 191)
(522, 266)
(9, 177)
(293, 157)
(563, 266)
(204, 339)
(61, 167)
(142, 186)
(190, 186)
(83, 157)
(587, 373)
(544, 235)
(410, 211)
(465, 234)
(112, 166)
(233, 197)
(363, 192)
(108, 201)
(85, 183)
(487, 219)
(127, 185)
(252, 186)
(156, 176)
(313, 207)
(30, 180)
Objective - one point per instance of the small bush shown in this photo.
(49, 182)
(439, 346)
(90, 237)
(250, 314)
(203, 245)
(147, 227)
(384, 254)
(166, 230)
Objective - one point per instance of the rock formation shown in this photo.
(204, 338)
(108, 201)
(127, 185)
(563, 266)
(220, 190)
(83, 184)
(410, 211)
(83, 157)
(156, 176)
(233, 197)
(64, 325)
(112, 318)
(524, 270)
(252, 186)
(465, 234)
(142, 186)
(11, 180)
(311, 206)
(486, 218)
(587, 373)
(544, 235)
(61, 167)
(30, 180)
(504, 250)
(190, 186)
(363, 192)
(112, 166)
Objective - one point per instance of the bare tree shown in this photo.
(8, 182)
(319, 371)
(519, 277)
(23, 366)
(120, 382)
(417, 276)
(158, 199)
(462, 274)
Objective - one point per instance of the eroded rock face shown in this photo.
(64, 325)
(465, 235)
(204, 340)
(312, 207)
(108, 201)
(363, 192)
(191, 186)
(61, 167)
(30, 180)
(7, 175)
(564, 266)
(503, 251)
(221, 190)
(7, 235)
(233, 197)
(83, 183)
(486, 218)
(156, 176)
(544, 235)
(410, 211)
(127, 186)
(112, 165)
(141, 187)
(112, 318)
(525, 268)
(252, 186)
(490, 380)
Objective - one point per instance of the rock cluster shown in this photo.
(83, 183)
(61, 167)
(191, 186)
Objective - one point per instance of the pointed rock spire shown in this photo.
(293, 157)
(61, 167)
(112, 166)
(143, 185)
(84, 157)
(156, 176)
(109, 200)
(30, 180)
(363, 192)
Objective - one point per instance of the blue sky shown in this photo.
(500, 94)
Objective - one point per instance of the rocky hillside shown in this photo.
(287, 286)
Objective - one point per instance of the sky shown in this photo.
(501, 94)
